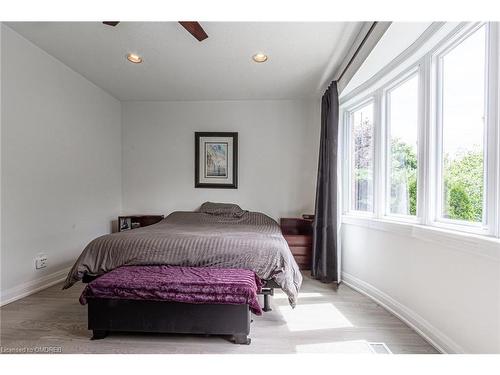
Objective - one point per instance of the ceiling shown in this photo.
(302, 57)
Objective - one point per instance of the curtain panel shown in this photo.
(326, 244)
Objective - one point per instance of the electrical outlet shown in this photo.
(40, 261)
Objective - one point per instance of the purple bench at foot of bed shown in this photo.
(172, 299)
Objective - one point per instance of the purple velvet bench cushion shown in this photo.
(180, 284)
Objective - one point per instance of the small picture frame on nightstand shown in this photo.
(125, 223)
(130, 222)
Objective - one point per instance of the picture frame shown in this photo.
(124, 223)
(216, 160)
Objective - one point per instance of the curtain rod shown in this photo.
(357, 50)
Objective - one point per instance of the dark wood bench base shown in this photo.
(108, 315)
(98, 334)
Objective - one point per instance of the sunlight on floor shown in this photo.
(314, 316)
(339, 347)
(301, 295)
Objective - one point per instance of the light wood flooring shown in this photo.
(326, 320)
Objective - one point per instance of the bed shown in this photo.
(217, 236)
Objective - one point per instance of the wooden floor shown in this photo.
(325, 320)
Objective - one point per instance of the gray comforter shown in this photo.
(252, 241)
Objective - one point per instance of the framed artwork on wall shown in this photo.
(216, 160)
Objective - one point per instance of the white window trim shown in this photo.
(493, 127)
(414, 71)
(436, 124)
(425, 222)
(346, 116)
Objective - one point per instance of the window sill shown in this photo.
(475, 244)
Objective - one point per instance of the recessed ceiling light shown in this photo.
(260, 57)
(133, 58)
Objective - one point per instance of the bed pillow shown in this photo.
(223, 209)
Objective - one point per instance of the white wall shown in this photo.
(278, 154)
(61, 164)
(448, 291)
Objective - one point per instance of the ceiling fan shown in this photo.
(194, 28)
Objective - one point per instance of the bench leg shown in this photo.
(267, 305)
(98, 334)
(242, 339)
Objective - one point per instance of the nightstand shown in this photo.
(137, 221)
(298, 235)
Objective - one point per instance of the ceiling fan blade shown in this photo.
(111, 23)
(194, 29)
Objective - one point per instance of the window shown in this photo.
(462, 72)
(424, 148)
(402, 161)
(361, 157)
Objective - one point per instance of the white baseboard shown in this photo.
(33, 286)
(429, 333)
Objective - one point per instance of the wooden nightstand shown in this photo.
(137, 221)
(298, 234)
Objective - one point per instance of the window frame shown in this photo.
(401, 79)
(347, 175)
(436, 218)
(375, 91)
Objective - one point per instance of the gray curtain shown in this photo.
(325, 266)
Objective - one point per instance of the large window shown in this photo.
(434, 160)
(402, 129)
(462, 72)
(361, 157)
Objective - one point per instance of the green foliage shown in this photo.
(403, 178)
(412, 190)
(463, 178)
(463, 182)
(459, 204)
